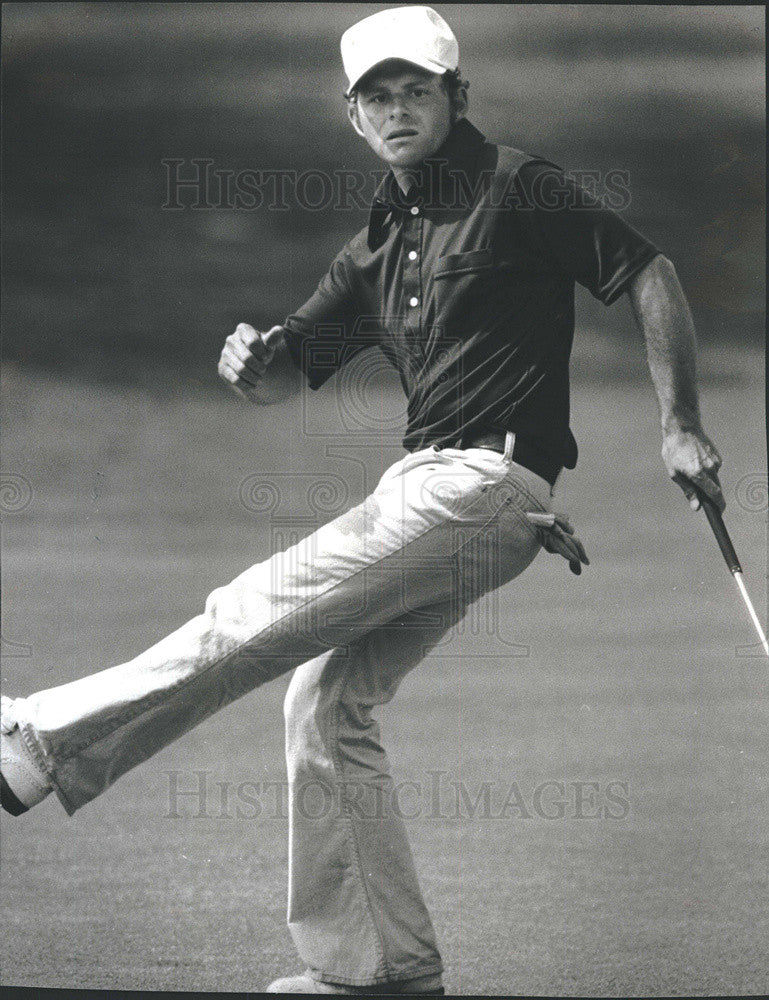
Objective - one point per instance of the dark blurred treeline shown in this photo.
(96, 95)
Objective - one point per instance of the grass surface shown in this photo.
(632, 675)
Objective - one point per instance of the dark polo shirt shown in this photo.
(467, 287)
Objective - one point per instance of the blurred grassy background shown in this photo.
(96, 95)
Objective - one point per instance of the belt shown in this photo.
(524, 453)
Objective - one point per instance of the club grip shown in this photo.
(713, 515)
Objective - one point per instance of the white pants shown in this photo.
(355, 605)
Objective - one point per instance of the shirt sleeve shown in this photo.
(573, 229)
(322, 336)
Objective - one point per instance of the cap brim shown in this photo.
(421, 63)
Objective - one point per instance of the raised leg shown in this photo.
(402, 548)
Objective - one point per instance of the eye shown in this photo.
(419, 91)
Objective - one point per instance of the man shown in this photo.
(464, 279)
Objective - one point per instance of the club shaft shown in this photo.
(752, 611)
(727, 550)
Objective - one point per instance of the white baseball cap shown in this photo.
(415, 34)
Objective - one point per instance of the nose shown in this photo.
(399, 107)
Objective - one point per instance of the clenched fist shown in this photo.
(246, 357)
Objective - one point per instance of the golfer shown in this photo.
(464, 279)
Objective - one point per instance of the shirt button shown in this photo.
(414, 210)
(412, 255)
(414, 301)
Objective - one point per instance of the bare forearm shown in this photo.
(663, 314)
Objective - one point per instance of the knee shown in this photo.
(320, 698)
(222, 609)
(298, 700)
(307, 704)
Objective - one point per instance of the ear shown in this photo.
(354, 116)
(461, 103)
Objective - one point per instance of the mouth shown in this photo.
(401, 133)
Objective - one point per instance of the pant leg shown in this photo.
(355, 909)
(397, 550)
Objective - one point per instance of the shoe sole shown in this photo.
(8, 800)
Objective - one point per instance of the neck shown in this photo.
(406, 177)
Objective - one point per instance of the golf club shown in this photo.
(713, 515)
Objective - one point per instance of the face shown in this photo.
(402, 112)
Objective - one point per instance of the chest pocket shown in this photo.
(461, 284)
(457, 264)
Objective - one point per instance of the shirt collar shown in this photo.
(458, 151)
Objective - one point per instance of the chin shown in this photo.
(407, 159)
